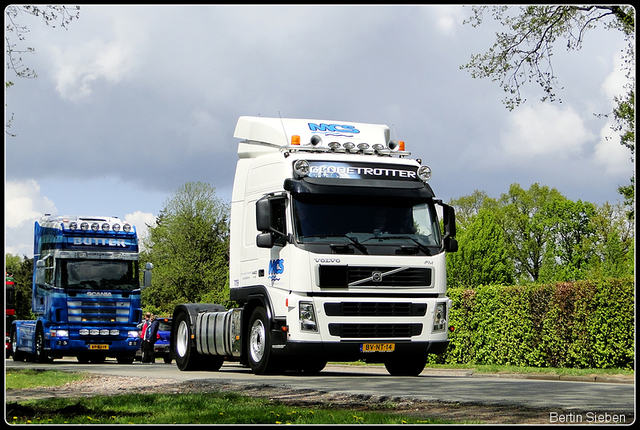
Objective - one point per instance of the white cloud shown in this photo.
(544, 130)
(448, 18)
(23, 203)
(23, 206)
(141, 220)
(111, 58)
(614, 84)
(611, 155)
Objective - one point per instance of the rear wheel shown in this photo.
(187, 357)
(260, 359)
(17, 355)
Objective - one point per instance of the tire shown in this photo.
(314, 365)
(259, 344)
(187, 358)
(17, 355)
(41, 354)
(125, 360)
(167, 359)
(406, 366)
(98, 359)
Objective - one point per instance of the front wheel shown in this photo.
(260, 359)
(41, 354)
(406, 366)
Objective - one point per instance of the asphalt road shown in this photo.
(432, 385)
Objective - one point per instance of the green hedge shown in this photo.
(584, 324)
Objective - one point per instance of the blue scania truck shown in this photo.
(85, 293)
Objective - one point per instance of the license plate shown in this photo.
(98, 346)
(377, 347)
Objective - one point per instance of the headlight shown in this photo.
(440, 317)
(424, 173)
(59, 333)
(307, 316)
(301, 168)
(133, 334)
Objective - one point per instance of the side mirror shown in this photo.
(146, 276)
(265, 240)
(269, 221)
(449, 218)
(40, 272)
(449, 222)
(263, 215)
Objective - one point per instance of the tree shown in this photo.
(572, 235)
(523, 54)
(482, 258)
(22, 271)
(15, 36)
(525, 226)
(189, 248)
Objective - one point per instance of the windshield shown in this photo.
(363, 222)
(98, 274)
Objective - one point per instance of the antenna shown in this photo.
(284, 130)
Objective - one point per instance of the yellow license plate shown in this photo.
(377, 347)
(99, 346)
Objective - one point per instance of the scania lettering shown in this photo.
(85, 292)
(336, 254)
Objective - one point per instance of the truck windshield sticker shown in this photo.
(324, 169)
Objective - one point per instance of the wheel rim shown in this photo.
(14, 342)
(39, 345)
(256, 341)
(182, 339)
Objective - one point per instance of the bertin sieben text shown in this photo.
(588, 417)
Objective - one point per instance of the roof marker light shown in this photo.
(295, 139)
(316, 140)
(401, 145)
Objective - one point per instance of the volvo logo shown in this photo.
(376, 276)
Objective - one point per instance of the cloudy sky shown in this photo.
(132, 102)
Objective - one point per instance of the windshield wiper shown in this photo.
(354, 241)
(421, 246)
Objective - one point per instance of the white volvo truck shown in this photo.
(337, 254)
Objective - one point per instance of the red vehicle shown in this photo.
(10, 291)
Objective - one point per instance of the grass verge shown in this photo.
(29, 378)
(202, 408)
